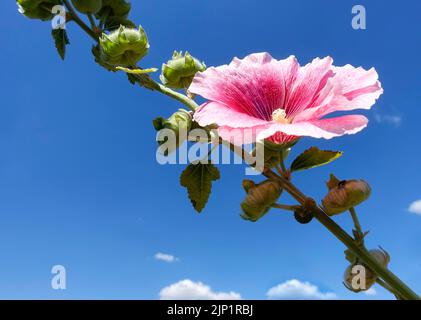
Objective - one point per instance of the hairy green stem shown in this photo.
(177, 96)
(360, 251)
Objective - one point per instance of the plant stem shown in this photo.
(79, 21)
(357, 224)
(284, 207)
(91, 21)
(361, 252)
(176, 95)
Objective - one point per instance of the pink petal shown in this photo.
(256, 85)
(324, 128)
(217, 113)
(350, 88)
(240, 136)
(308, 85)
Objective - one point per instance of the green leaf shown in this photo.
(314, 157)
(61, 40)
(197, 178)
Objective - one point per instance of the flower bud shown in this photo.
(344, 195)
(114, 13)
(124, 47)
(259, 199)
(179, 72)
(87, 6)
(381, 256)
(248, 184)
(37, 9)
(180, 123)
(353, 278)
(115, 8)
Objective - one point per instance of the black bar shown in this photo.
(185, 310)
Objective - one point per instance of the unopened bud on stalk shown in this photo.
(179, 72)
(115, 8)
(358, 277)
(124, 47)
(114, 13)
(180, 123)
(259, 198)
(37, 9)
(381, 256)
(87, 6)
(344, 195)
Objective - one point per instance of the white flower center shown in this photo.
(280, 116)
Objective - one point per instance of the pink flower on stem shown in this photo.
(281, 101)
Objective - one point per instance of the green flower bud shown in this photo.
(87, 6)
(344, 195)
(115, 8)
(124, 47)
(259, 198)
(180, 122)
(179, 72)
(37, 9)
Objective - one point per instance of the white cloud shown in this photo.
(189, 290)
(415, 207)
(165, 257)
(296, 290)
(387, 118)
(371, 292)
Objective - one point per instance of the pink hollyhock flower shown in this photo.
(281, 101)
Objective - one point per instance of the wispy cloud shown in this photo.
(190, 290)
(394, 120)
(165, 257)
(297, 290)
(415, 207)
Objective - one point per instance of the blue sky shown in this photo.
(80, 186)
